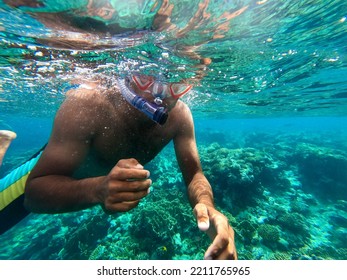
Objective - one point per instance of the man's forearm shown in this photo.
(58, 194)
(200, 191)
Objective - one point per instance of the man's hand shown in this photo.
(218, 229)
(162, 20)
(125, 186)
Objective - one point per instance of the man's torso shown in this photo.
(123, 132)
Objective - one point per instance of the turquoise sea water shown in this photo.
(270, 117)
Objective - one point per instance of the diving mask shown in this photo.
(160, 90)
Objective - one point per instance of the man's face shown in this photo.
(161, 93)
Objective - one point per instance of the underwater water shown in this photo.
(270, 116)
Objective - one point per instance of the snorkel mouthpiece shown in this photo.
(153, 111)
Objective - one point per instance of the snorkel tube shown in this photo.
(154, 112)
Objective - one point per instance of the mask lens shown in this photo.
(177, 90)
(143, 82)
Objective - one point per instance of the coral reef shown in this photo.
(293, 222)
(270, 234)
(154, 225)
(161, 227)
(238, 175)
(246, 231)
(81, 241)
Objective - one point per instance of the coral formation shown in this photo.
(239, 175)
(246, 231)
(270, 234)
(293, 222)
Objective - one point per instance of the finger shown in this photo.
(127, 196)
(129, 174)
(169, 10)
(206, 61)
(129, 163)
(201, 215)
(220, 236)
(129, 186)
(229, 253)
(164, 6)
(218, 245)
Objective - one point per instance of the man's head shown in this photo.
(152, 97)
(156, 96)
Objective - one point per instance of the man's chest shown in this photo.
(114, 144)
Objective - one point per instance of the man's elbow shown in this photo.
(31, 198)
(28, 205)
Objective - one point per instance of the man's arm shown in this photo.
(199, 189)
(200, 192)
(51, 188)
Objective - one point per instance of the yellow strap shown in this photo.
(13, 191)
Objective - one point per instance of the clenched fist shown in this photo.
(124, 187)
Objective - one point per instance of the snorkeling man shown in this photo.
(105, 132)
(120, 128)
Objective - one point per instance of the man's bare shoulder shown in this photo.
(84, 108)
(88, 91)
(182, 112)
(181, 118)
(89, 98)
